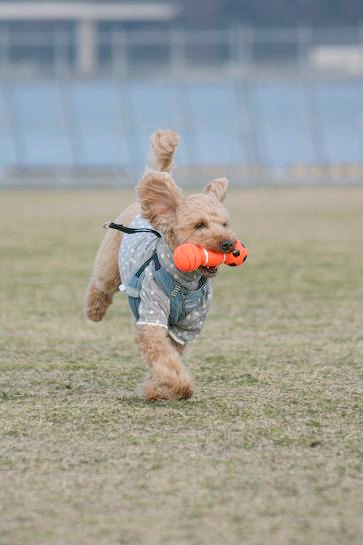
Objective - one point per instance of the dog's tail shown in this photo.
(163, 144)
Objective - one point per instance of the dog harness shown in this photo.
(158, 293)
(182, 301)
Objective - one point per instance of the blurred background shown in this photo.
(263, 91)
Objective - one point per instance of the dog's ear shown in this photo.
(159, 197)
(218, 188)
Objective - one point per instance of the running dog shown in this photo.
(169, 307)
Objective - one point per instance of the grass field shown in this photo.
(269, 451)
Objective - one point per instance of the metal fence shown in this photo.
(262, 106)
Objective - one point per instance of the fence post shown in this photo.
(249, 129)
(183, 110)
(60, 54)
(11, 118)
(120, 65)
(305, 41)
(119, 58)
(360, 38)
(69, 120)
(86, 47)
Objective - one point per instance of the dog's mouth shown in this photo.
(208, 272)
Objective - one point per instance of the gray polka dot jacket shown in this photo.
(155, 307)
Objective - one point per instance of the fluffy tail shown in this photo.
(163, 144)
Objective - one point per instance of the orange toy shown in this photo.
(189, 257)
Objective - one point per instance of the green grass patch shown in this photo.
(270, 448)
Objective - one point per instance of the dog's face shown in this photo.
(198, 219)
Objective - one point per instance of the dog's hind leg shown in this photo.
(105, 279)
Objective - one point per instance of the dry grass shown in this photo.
(268, 451)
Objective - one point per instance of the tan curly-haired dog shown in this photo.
(199, 219)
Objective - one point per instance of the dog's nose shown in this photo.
(226, 245)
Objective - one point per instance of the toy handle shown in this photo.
(210, 258)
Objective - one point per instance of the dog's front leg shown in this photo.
(167, 377)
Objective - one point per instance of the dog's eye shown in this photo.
(225, 224)
(200, 225)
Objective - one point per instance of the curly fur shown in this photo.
(199, 219)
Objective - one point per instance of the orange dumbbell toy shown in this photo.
(189, 257)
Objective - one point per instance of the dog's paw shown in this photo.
(179, 388)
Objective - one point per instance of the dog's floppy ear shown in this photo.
(159, 197)
(218, 188)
